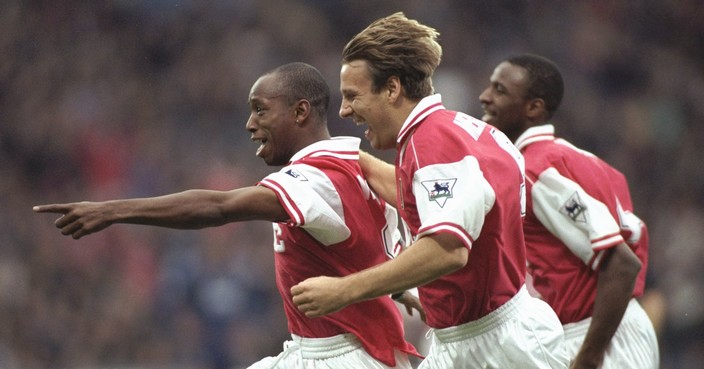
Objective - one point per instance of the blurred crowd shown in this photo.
(118, 98)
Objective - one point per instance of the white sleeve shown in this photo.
(581, 222)
(446, 203)
(311, 200)
(395, 233)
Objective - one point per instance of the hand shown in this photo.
(319, 296)
(410, 301)
(583, 361)
(78, 219)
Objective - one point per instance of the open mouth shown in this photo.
(367, 130)
(262, 144)
(360, 123)
(488, 115)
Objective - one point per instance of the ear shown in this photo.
(393, 87)
(535, 108)
(302, 110)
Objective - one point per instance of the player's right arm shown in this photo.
(617, 276)
(192, 209)
(427, 259)
(380, 175)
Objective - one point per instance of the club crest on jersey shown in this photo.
(296, 174)
(574, 208)
(439, 190)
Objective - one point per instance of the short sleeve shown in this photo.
(584, 224)
(446, 203)
(311, 200)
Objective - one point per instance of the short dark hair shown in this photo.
(398, 46)
(544, 79)
(303, 81)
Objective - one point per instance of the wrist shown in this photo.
(355, 289)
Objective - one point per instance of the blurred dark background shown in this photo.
(111, 99)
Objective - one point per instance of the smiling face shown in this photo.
(360, 103)
(504, 102)
(271, 120)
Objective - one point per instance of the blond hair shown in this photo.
(401, 47)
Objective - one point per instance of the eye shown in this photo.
(348, 96)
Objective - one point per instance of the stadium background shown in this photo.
(107, 99)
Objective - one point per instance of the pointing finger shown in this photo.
(52, 208)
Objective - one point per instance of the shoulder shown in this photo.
(444, 128)
(551, 154)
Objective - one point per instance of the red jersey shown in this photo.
(459, 175)
(578, 207)
(337, 227)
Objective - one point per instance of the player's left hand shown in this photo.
(319, 296)
(411, 302)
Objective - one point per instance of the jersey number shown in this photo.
(279, 245)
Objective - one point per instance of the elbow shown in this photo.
(448, 253)
(627, 263)
(635, 267)
(456, 259)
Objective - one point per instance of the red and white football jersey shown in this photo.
(459, 175)
(338, 226)
(578, 207)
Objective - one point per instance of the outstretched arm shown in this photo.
(617, 277)
(192, 209)
(426, 260)
(380, 175)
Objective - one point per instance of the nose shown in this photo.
(251, 125)
(485, 96)
(345, 109)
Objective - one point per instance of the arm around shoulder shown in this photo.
(380, 175)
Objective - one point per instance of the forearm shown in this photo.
(380, 175)
(190, 209)
(426, 260)
(617, 278)
(194, 209)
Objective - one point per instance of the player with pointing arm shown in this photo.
(326, 221)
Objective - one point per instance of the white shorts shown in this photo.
(523, 333)
(337, 352)
(634, 345)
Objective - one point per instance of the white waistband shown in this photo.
(579, 329)
(485, 323)
(322, 348)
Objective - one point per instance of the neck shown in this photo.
(313, 137)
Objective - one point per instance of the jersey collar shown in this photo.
(343, 147)
(545, 132)
(426, 106)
